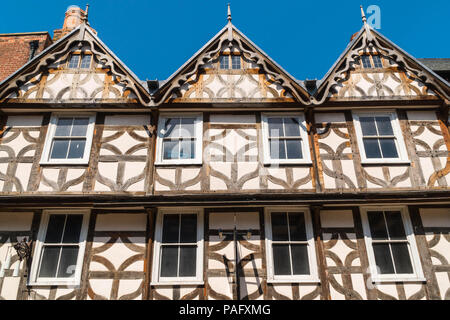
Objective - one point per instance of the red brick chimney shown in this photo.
(74, 17)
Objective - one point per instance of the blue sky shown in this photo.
(154, 38)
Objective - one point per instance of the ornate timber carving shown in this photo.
(35, 80)
(369, 41)
(233, 40)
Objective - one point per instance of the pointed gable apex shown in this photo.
(48, 77)
(400, 75)
(258, 78)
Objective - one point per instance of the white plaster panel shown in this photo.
(359, 285)
(411, 289)
(74, 174)
(284, 289)
(306, 289)
(121, 222)
(376, 172)
(335, 295)
(435, 217)
(63, 291)
(443, 281)
(387, 288)
(10, 288)
(217, 184)
(340, 249)
(421, 115)
(336, 219)
(189, 174)
(24, 121)
(165, 291)
(17, 145)
(18, 221)
(220, 285)
(221, 220)
(133, 169)
(232, 119)
(184, 290)
(101, 287)
(129, 286)
(118, 253)
(168, 174)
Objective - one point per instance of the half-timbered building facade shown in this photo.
(229, 180)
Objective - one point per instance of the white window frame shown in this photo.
(399, 138)
(313, 277)
(198, 279)
(417, 275)
(45, 159)
(303, 135)
(37, 256)
(198, 124)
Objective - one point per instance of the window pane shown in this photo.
(170, 149)
(49, 262)
(366, 61)
(377, 225)
(169, 261)
(294, 149)
(372, 148)
(377, 61)
(188, 259)
(68, 262)
(224, 62)
(383, 258)
(275, 127)
(292, 127)
(86, 61)
(236, 62)
(395, 225)
(73, 62)
(76, 150)
(172, 128)
(187, 127)
(300, 262)
(170, 228)
(297, 226)
(368, 126)
(384, 126)
(388, 148)
(188, 231)
(55, 228)
(401, 258)
(73, 228)
(281, 260)
(277, 149)
(63, 127)
(59, 149)
(79, 127)
(279, 226)
(187, 149)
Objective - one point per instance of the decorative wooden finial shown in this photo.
(363, 15)
(229, 13)
(86, 12)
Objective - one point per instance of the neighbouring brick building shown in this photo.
(229, 180)
(18, 48)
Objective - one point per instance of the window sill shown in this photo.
(179, 163)
(72, 284)
(293, 280)
(391, 280)
(177, 283)
(288, 163)
(68, 163)
(385, 162)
